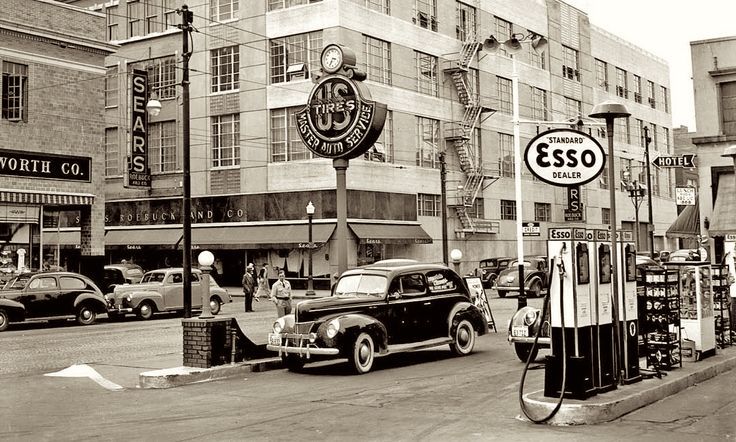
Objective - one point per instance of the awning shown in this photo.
(166, 238)
(53, 198)
(687, 223)
(374, 233)
(261, 236)
(723, 221)
(64, 238)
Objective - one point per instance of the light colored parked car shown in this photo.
(162, 290)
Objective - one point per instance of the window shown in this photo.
(539, 104)
(573, 108)
(112, 152)
(427, 79)
(42, 283)
(169, 7)
(663, 98)
(603, 181)
(637, 135)
(621, 130)
(601, 74)
(542, 212)
(429, 205)
(162, 146)
(111, 87)
(656, 188)
(506, 149)
(428, 138)
(654, 134)
(286, 145)
(508, 209)
(225, 69)
(477, 210)
(300, 51)
(282, 4)
(570, 64)
(378, 59)
(650, 94)
(537, 58)
(383, 149)
(605, 215)
(376, 5)
(222, 10)
(503, 89)
(637, 88)
(226, 140)
(626, 167)
(135, 18)
(153, 24)
(15, 91)
(666, 139)
(111, 12)
(502, 32)
(465, 25)
(163, 77)
(622, 89)
(68, 282)
(426, 14)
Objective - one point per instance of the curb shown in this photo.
(627, 398)
(178, 376)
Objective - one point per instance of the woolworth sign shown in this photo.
(565, 157)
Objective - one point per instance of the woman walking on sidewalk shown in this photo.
(264, 289)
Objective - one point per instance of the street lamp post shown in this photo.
(310, 281)
(154, 106)
(636, 193)
(650, 227)
(205, 259)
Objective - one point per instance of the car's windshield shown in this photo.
(154, 277)
(361, 285)
(18, 282)
(488, 263)
(516, 264)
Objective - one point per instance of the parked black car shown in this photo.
(50, 296)
(380, 309)
(535, 277)
(118, 274)
(489, 269)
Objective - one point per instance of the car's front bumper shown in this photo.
(542, 342)
(297, 343)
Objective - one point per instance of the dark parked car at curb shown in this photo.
(535, 277)
(380, 309)
(50, 296)
(118, 274)
(488, 270)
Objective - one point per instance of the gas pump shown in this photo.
(604, 375)
(627, 308)
(570, 315)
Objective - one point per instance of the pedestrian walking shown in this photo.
(281, 295)
(264, 289)
(249, 286)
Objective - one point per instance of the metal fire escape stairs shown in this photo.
(460, 133)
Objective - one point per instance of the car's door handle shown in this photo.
(428, 303)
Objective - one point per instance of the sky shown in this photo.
(665, 28)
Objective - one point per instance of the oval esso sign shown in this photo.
(565, 157)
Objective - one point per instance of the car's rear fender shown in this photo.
(353, 324)
(16, 310)
(467, 310)
(99, 305)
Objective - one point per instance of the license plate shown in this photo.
(274, 339)
(520, 331)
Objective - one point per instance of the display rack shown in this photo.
(661, 326)
(721, 304)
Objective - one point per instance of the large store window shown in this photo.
(465, 21)
(225, 69)
(283, 4)
(426, 14)
(112, 152)
(162, 146)
(222, 10)
(427, 74)
(295, 57)
(428, 138)
(286, 145)
(383, 149)
(377, 55)
(506, 152)
(429, 205)
(15, 91)
(503, 89)
(226, 140)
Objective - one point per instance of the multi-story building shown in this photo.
(52, 58)
(252, 67)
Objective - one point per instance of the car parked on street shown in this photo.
(117, 274)
(380, 309)
(488, 270)
(535, 277)
(50, 296)
(162, 290)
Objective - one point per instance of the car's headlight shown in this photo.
(129, 298)
(332, 328)
(530, 317)
(107, 298)
(278, 326)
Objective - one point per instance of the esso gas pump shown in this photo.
(627, 308)
(569, 371)
(604, 375)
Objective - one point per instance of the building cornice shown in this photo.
(55, 38)
(714, 139)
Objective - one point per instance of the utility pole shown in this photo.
(186, 29)
(443, 202)
(650, 227)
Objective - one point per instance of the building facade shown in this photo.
(53, 73)
(253, 65)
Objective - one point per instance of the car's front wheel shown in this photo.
(463, 338)
(292, 362)
(524, 351)
(214, 305)
(85, 315)
(536, 289)
(146, 309)
(363, 354)
(4, 320)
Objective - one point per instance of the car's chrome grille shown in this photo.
(303, 327)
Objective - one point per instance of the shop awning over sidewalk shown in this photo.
(165, 238)
(261, 236)
(50, 198)
(374, 233)
(63, 238)
(723, 221)
(687, 224)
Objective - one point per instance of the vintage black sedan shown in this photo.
(382, 308)
(50, 296)
(535, 277)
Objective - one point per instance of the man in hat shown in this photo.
(249, 285)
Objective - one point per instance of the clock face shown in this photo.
(332, 59)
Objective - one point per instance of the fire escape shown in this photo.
(460, 133)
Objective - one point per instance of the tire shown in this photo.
(463, 338)
(523, 351)
(536, 289)
(146, 310)
(292, 362)
(85, 315)
(492, 281)
(501, 294)
(215, 305)
(4, 320)
(362, 355)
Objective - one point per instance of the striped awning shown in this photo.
(47, 198)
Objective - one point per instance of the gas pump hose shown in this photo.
(545, 306)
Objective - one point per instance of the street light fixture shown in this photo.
(206, 259)
(310, 281)
(637, 192)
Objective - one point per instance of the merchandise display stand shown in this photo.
(661, 327)
(721, 305)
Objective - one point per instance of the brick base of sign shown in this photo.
(209, 342)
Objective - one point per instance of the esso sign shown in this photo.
(564, 157)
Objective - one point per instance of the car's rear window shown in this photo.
(361, 285)
(442, 281)
(154, 277)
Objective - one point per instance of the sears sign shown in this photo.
(565, 157)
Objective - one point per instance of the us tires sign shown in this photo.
(564, 157)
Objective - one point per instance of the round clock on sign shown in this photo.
(332, 59)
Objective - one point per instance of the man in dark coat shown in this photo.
(249, 285)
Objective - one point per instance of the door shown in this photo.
(173, 291)
(41, 297)
(409, 305)
(70, 287)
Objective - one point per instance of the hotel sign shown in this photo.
(139, 175)
(51, 166)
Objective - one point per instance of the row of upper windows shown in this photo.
(656, 97)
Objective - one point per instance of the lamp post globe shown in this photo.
(153, 107)
(455, 256)
(205, 259)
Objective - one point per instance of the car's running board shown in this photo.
(397, 348)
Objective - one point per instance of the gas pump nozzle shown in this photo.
(560, 262)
